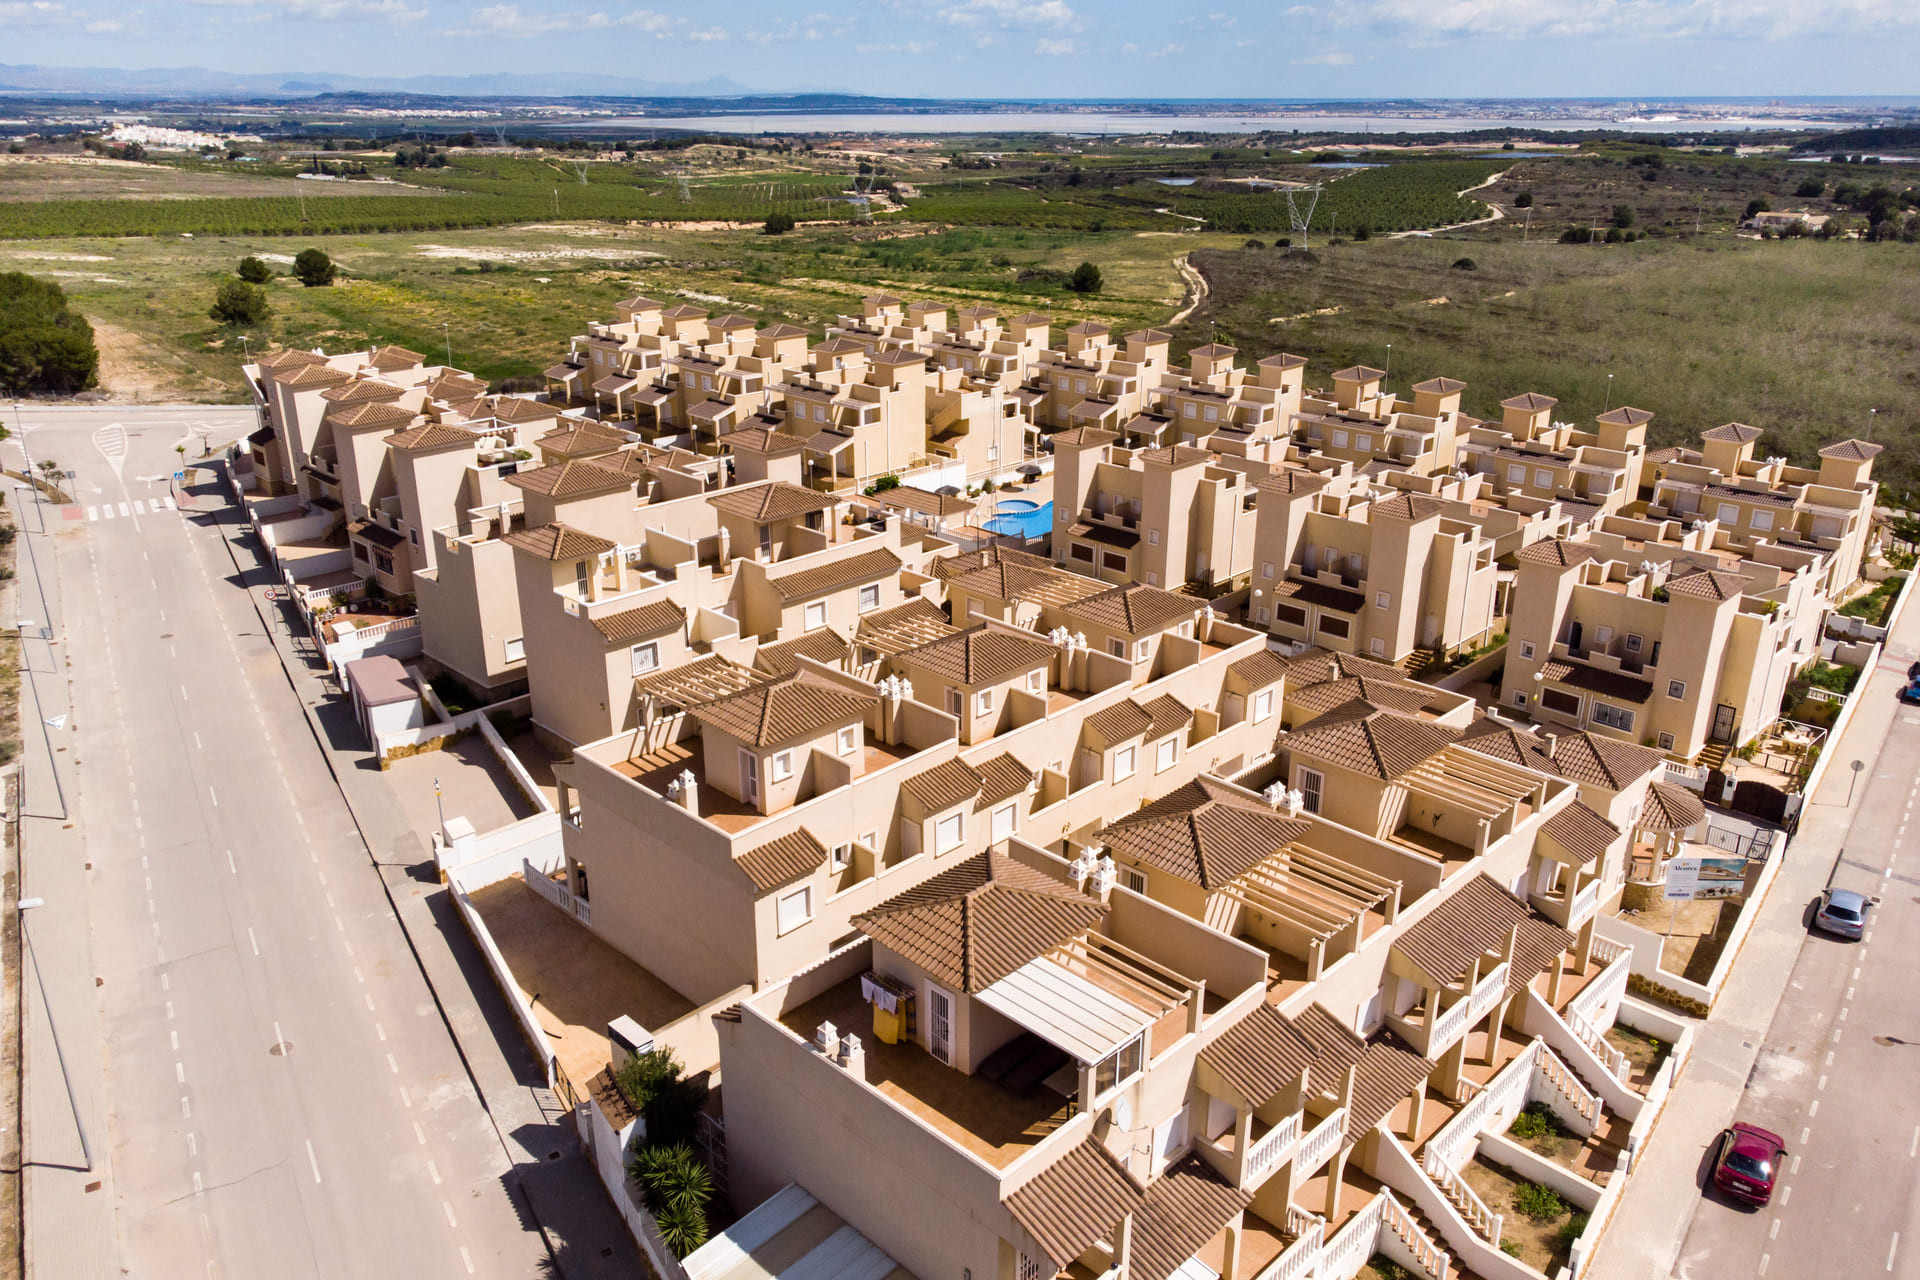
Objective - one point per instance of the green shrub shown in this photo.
(1510, 1246)
(238, 303)
(678, 1187)
(43, 345)
(314, 269)
(1536, 1121)
(1465, 264)
(1085, 279)
(1542, 1204)
(779, 224)
(1572, 1229)
(254, 271)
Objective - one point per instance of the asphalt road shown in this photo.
(1838, 1075)
(282, 1095)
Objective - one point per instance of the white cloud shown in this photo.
(1623, 19)
(1055, 48)
(507, 20)
(909, 46)
(1168, 50)
(1011, 14)
(397, 11)
(1331, 58)
(36, 13)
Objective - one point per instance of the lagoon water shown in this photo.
(1118, 122)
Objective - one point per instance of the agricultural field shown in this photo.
(1700, 331)
(92, 178)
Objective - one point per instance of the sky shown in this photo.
(1349, 49)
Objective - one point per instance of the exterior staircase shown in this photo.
(1421, 661)
(1714, 756)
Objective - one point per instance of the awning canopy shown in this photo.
(1066, 1010)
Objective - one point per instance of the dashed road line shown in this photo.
(313, 1161)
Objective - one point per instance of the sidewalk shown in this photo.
(1644, 1239)
(563, 1195)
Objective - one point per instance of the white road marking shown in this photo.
(230, 867)
(392, 1065)
(124, 511)
(380, 1031)
(174, 1038)
(196, 733)
(93, 513)
(179, 1073)
(139, 508)
(433, 1171)
(1796, 1165)
(197, 1188)
(1763, 1263)
(405, 1101)
(1829, 1061)
(1786, 1194)
(419, 1133)
(255, 941)
(1914, 1146)
(369, 1000)
(216, 799)
(1892, 1249)
(466, 1259)
(1804, 1131)
(193, 1146)
(1813, 1108)
(453, 1223)
(1843, 1013)
(186, 1110)
(1822, 1084)
(277, 1037)
(1773, 1232)
(313, 1160)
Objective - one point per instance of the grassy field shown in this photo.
(1800, 338)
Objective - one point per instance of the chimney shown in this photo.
(853, 1056)
(1084, 865)
(685, 791)
(1104, 875)
(826, 1040)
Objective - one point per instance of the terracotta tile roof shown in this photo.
(685, 311)
(692, 684)
(1503, 741)
(1116, 724)
(1214, 351)
(765, 503)
(978, 921)
(1291, 481)
(1259, 670)
(361, 390)
(430, 436)
(1403, 696)
(761, 440)
(1608, 684)
(1135, 609)
(371, 413)
(1262, 1054)
(1204, 832)
(967, 561)
(1077, 437)
(1358, 373)
(784, 709)
(783, 658)
(1310, 666)
(521, 409)
(1582, 832)
(1473, 920)
(925, 502)
(904, 627)
(1732, 433)
(981, 655)
(574, 478)
(1708, 585)
(388, 359)
(1540, 941)
(637, 304)
(1625, 416)
(1091, 328)
(1759, 497)
(1281, 360)
(1389, 1071)
(1335, 1046)
(1440, 386)
(1076, 1201)
(1853, 451)
(1014, 582)
(307, 376)
(288, 358)
(1320, 595)
(783, 860)
(944, 786)
(558, 542)
(1184, 1208)
(1408, 506)
(783, 331)
(1002, 777)
(1032, 317)
(730, 322)
(1670, 808)
(1369, 740)
(1176, 455)
(843, 570)
(1607, 763)
(1530, 401)
(578, 442)
(654, 619)
(1557, 552)
(1169, 713)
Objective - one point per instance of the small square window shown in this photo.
(870, 597)
(1676, 688)
(516, 649)
(948, 832)
(1123, 765)
(1666, 742)
(1262, 705)
(1383, 599)
(1116, 646)
(781, 767)
(796, 909)
(1519, 697)
(849, 739)
(983, 702)
(1633, 643)
(1526, 650)
(1141, 649)
(841, 857)
(646, 657)
(1266, 568)
(816, 615)
(1166, 755)
(1036, 681)
(1543, 479)
(1153, 537)
(1153, 579)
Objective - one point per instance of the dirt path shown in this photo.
(1196, 286)
(1497, 214)
(134, 370)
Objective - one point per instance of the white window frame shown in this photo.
(780, 766)
(1517, 473)
(1727, 513)
(1153, 579)
(1760, 521)
(1036, 681)
(1153, 537)
(870, 597)
(1166, 754)
(646, 657)
(1266, 568)
(1124, 763)
(1676, 689)
(1133, 878)
(949, 832)
(815, 616)
(1314, 792)
(840, 857)
(956, 703)
(1633, 643)
(1116, 646)
(1363, 442)
(1542, 479)
(1006, 822)
(1605, 713)
(983, 702)
(1141, 648)
(1262, 705)
(1526, 651)
(1520, 698)
(849, 739)
(1665, 741)
(1339, 438)
(1383, 599)
(1120, 1068)
(515, 648)
(785, 907)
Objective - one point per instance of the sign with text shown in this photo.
(1690, 878)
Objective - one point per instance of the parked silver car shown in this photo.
(1842, 913)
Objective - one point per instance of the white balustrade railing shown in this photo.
(556, 893)
(1319, 1146)
(381, 629)
(1606, 950)
(1354, 1243)
(1584, 902)
(1450, 1025)
(1265, 1154)
(1485, 1222)
(1506, 1091)
(1300, 1259)
(1426, 1251)
(1488, 992)
(1596, 1043)
(1561, 1077)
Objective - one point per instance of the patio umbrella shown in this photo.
(1031, 470)
(949, 490)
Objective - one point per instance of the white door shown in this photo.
(940, 1024)
(749, 777)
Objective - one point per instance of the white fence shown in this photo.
(503, 978)
(1318, 1147)
(1265, 1154)
(558, 894)
(1302, 1258)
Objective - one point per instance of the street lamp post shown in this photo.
(25, 905)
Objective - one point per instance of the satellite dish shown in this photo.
(1119, 1115)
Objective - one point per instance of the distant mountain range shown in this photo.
(199, 82)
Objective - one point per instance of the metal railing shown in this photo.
(1319, 1146)
(1264, 1155)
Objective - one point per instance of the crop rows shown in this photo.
(1395, 197)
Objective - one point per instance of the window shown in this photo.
(1520, 698)
(1613, 717)
(1727, 514)
(1036, 681)
(983, 702)
(871, 840)
(1141, 649)
(781, 767)
(1005, 821)
(1355, 564)
(1153, 579)
(1212, 414)
(1602, 634)
(1335, 627)
(1082, 553)
(1526, 650)
(1166, 755)
(1291, 614)
(1339, 439)
(849, 739)
(1363, 442)
(956, 703)
(1262, 705)
(1120, 1066)
(1153, 537)
(1383, 599)
(1313, 784)
(816, 615)
(1114, 561)
(1633, 643)
(1266, 568)
(1133, 878)
(1676, 688)
(1187, 411)
(1116, 646)
(1123, 763)
(1561, 701)
(1543, 479)
(1761, 521)
(1666, 742)
(796, 909)
(1080, 385)
(948, 832)
(1516, 474)
(841, 857)
(1377, 647)
(646, 657)
(870, 597)
(1262, 616)
(516, 649)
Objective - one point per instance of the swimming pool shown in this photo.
(1019, 515)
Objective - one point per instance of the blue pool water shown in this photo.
(1018, 515)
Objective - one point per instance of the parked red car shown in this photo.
(1749, 1163)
